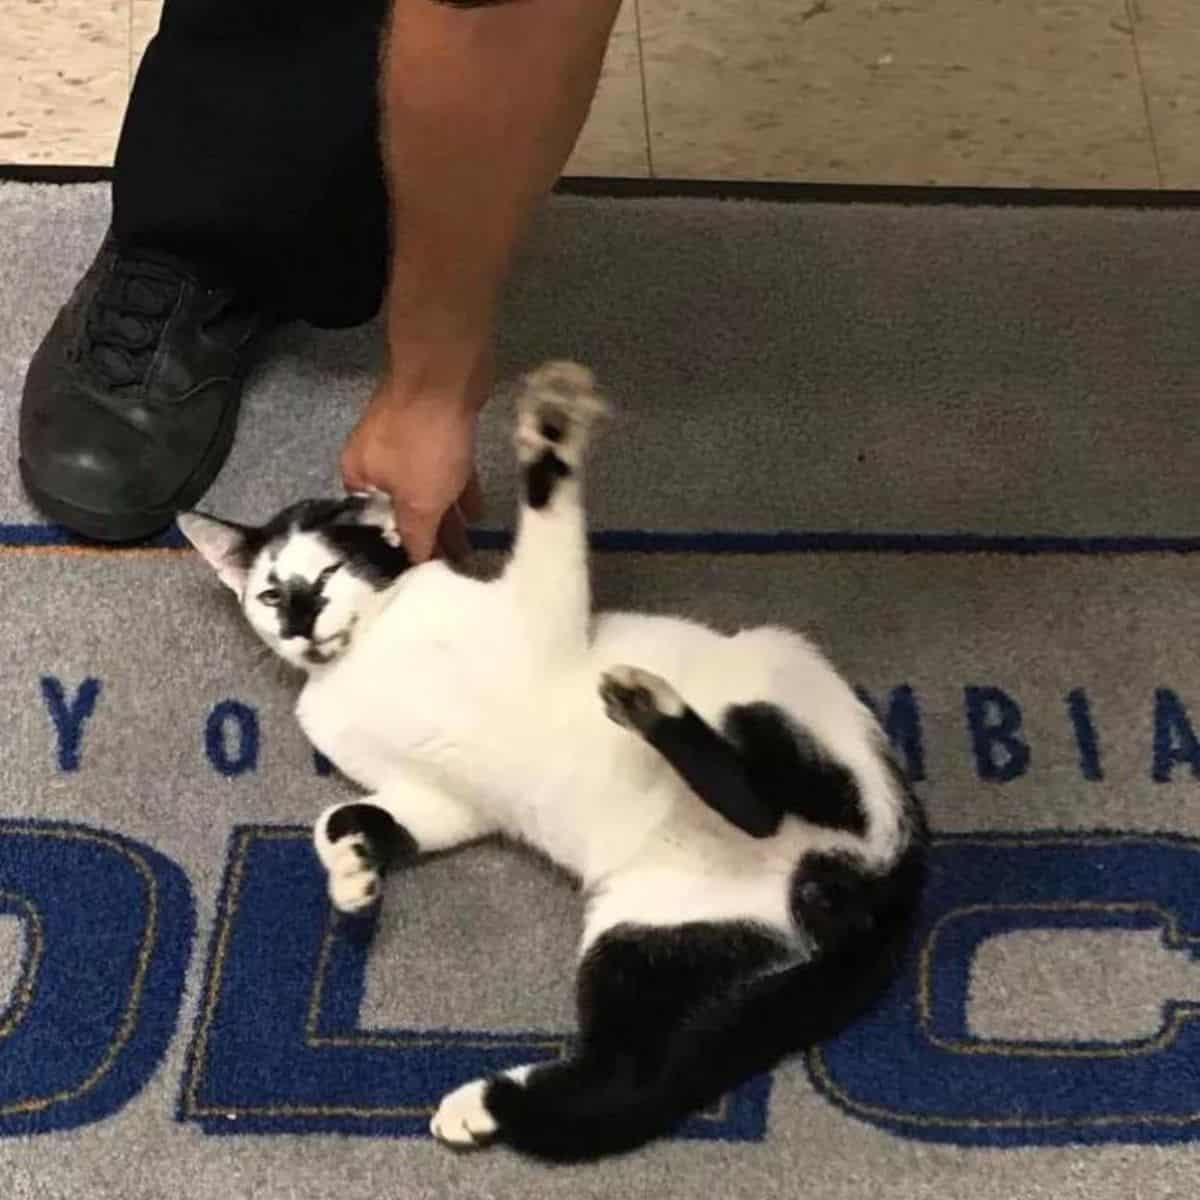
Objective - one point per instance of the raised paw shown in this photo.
(558, 403)
(353, 842)
(462, 1119)
(636, 698)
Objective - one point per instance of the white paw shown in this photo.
(353, 879)
(636, 698)
(462, 1119)
(558, 403)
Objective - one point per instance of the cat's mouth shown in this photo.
(327, 649)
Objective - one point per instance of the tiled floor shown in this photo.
(1069, 93)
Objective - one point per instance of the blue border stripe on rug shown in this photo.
(786, 541)
(782, 541)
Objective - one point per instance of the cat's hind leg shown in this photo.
(557, 407)
(359, 841)
(662, 1033)
(758, 767)
(708, 763)
(462, 1118)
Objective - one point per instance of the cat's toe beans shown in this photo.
(536, 434)
(462, 1119)
(635, 697)
(557, 404)
(616, 702)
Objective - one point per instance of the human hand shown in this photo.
(416, 443)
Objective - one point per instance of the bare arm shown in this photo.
(482, 107)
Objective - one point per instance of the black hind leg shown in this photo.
(647, 999)
(759, 768)
(709, 765)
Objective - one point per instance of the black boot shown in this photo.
(131, 400)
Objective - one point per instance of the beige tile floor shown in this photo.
(1067, 93)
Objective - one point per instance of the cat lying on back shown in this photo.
(750, 855)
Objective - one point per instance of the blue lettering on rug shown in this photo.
(231, 738)
(107, 927)
(1175, 742)
(902, 723)
(913, 1066)
(1080, 711)
(994, 722)
(277, 1045)
(69, 716)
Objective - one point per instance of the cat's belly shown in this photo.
(665, 895)
(403, 692)
(482, 737)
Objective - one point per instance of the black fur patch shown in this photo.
(367, 553)
(791, 771)
(642, 992)
(301, 606)
(553, 430)
(387, 842)
(713, 769)
(832, 897)
(541, 475)
(637, 984)
(840, 902)
(363, 547)
(304, 515)
(764, 766)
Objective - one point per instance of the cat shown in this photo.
(749, 850)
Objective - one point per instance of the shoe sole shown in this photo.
(145, 523)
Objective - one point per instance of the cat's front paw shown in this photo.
(636, 698)
(353, 877)
(558, 403)
(352, 866)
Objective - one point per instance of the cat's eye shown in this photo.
(272, 597)
(325, 574)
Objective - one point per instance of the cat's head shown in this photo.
(310, 577)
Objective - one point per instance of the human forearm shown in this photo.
(482, 107)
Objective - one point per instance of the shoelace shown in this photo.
(126, 318)
(129, 312)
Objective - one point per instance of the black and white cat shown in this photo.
(750, 855)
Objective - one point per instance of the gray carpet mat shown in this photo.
(175, 1019)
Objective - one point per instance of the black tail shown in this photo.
(611, 1100)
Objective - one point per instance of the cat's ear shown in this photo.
(375, 508)
(222, 543)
